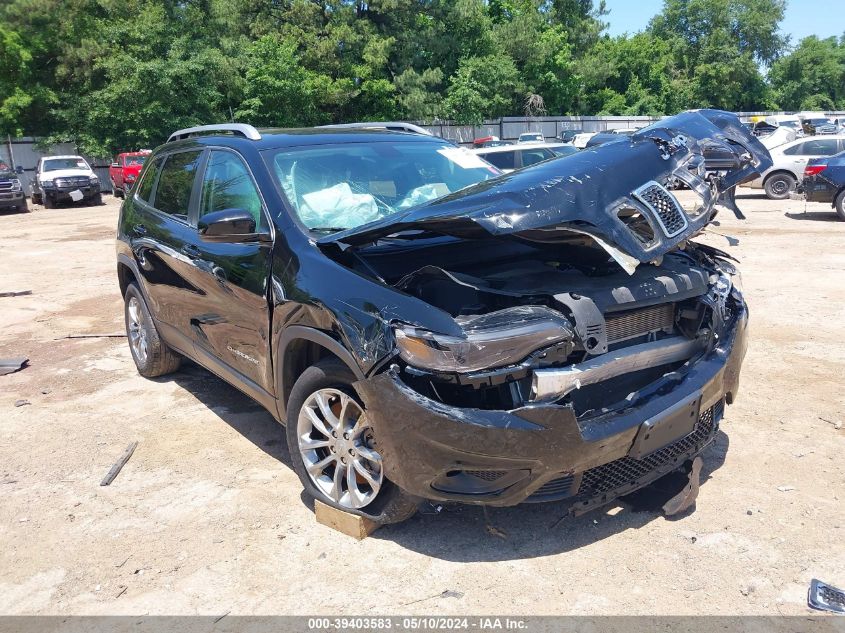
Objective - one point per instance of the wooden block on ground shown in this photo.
(344, 522)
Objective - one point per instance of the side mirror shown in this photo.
(228, 225)
(18, 169)
(115, 164)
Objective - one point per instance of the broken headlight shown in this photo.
(491, 340)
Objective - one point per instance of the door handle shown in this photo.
(139, 229)
(190, 250)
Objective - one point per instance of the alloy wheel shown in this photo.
(137, 331)
(336, 446)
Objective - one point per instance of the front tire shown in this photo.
(333, 449)
(97, 200)
(37, 199)
(49, 203)
(117, 192)
(839, 205)
(152, 356)
(779, 186)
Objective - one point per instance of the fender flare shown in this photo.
(301, 332)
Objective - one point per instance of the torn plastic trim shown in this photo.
(548, 385)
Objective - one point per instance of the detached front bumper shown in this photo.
(543, 452)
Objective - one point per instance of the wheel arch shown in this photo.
(778, 172)
(300, 347)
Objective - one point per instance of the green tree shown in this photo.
(484, 87)
(811, 77)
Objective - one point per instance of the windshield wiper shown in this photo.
(327, 229)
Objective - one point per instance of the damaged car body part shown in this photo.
(432, 329)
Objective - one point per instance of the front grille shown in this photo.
(667, 210)
(73, 181)
(628, 470)
(6, 186)
(633, 323)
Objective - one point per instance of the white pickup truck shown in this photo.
(65, 179)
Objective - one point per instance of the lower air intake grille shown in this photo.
(486, 475)
(665, 207)
(559, 488)
(634, 323)
(626, 470)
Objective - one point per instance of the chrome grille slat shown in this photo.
(664, 206)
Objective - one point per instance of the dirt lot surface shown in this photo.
(207, 517)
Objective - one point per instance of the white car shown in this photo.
(789, 161)
(64, 179)
(580, 140)
(530, 137)
(511, 157)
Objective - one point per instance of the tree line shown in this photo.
(123, 74)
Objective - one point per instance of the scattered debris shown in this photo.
(11, 365)
(45, 391)
(448, 593)
(216, 620)
(837, 424)
(120, 463)
(15, 293)
(786, 488)
(825, 597)
(492, 529)
(749, 512)
(122, 591)
(116, 335)
(22, 403)
(747, 590)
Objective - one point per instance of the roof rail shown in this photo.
(393, 126)
(242, 129)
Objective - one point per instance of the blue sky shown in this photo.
(803, 17)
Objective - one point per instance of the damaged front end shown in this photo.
(592, 344)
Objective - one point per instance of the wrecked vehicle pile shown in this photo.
(548, 334)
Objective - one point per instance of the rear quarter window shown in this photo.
(502, 160)
(531, 156)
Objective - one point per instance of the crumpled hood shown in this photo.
(607, 192)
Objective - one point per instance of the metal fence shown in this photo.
(24, 152)
(509, 128)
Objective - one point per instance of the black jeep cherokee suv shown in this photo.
(431, 329)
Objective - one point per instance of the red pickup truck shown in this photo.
(124, 171)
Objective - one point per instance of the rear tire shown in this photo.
(24, 207)
(839, 204)
(382, 502)
(778, 186)
(152, 356)
(49, 203)
(117, 192)
(98, 199)
(36, 198)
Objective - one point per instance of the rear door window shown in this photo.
(819, 147)
(502, 160)
(145, 188)
(173, 193)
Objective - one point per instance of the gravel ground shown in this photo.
(208, 517)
